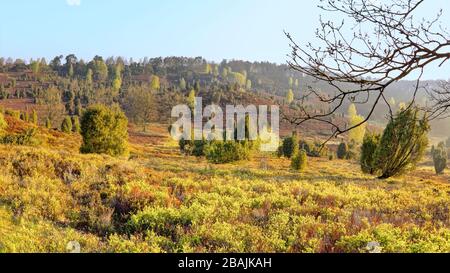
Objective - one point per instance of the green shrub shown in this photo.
(104, 131)
(34, 117)
(440, 158)
(27, 138)
(342, 151)
(368, 148)
(299, 161)
(403, 144)
(305, 145)
(185, 146)
(76, 127)
(290, 146)
(195, 148)
(317, 149)
(66, 125)
(280, 152)
(221, 152)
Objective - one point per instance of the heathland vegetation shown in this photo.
(86, 156)
(159, 200)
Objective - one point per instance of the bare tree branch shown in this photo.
(386, 44)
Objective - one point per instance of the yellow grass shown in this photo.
(161, 201)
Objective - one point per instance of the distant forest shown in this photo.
(148, 88)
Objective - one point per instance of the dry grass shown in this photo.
(160, 201)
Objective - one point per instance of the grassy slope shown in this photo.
(160, 201)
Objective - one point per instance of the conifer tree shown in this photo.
(403, 143)
(66, 125)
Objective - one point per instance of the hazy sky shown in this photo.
(215, 29)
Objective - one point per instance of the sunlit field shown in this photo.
(158, 200)
(221, 135)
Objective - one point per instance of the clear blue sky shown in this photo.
(215, 29)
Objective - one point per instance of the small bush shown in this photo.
(221, 152)
(299, 161)
(342, 151)
(76, 127)
(66, 125)
(280, 152)
(318, 150)
(305, 145)
(290, 146)
(104, 131)
(331, 156)
(368, 148)
(440, 158)
(195, 148)
(34, 118)
(27, 138)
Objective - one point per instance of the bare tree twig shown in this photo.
(387, 45)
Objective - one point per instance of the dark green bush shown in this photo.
(221, 152)
(290, 146)
(440, 158)
(192, 147)
(342, 151)
(403, 143)
(27, 138)
(305, 145)
(368, 148)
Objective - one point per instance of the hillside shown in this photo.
(158, 200)
(25, 86)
